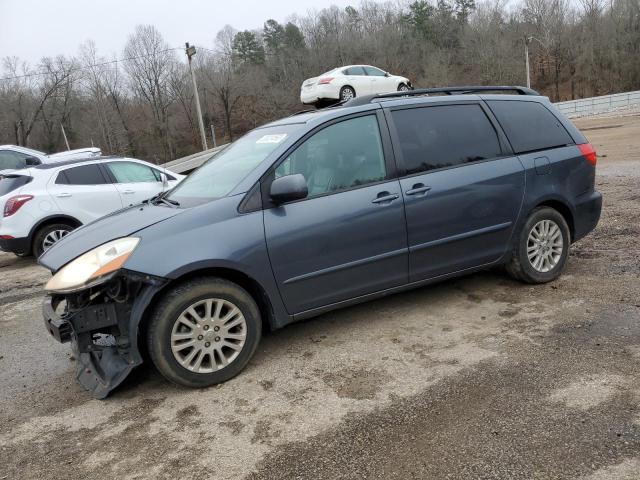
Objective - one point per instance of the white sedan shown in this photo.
(345, 83)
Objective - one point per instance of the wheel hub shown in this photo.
(208, 335)
(545, 245)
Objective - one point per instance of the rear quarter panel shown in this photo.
(567, 178)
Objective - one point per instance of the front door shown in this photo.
(348, 237)
(462, 188)
(135, 182)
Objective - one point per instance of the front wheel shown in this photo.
(204, 332)
(542, 250)
(403, 87)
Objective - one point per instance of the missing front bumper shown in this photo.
(104, 333)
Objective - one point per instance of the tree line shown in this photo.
(141, 103)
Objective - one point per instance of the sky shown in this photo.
(33, 29)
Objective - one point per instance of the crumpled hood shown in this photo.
(115, 225)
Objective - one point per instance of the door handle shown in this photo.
(128, 191)
(385, 197)
(417, 189)
(63, 195)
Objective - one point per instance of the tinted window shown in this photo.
(343, 155)
(374, 72)
(11, 160)
(8, 183)
(445, 136)
(129, 172)
(82, 175)
(529, 125)
(354, 71)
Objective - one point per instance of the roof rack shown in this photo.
(446, 90)
(62, 163)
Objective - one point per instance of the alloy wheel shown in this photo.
(347, 94)
(53, 237)
(545, 245)
(208, 335)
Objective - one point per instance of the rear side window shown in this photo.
(82, 175)
(354, 71)
(529, 125)
(9, 183)
(444, 136)
(130, 172)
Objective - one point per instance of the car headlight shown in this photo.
(94, 267)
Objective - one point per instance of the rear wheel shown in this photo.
(347, 93)
(542, 250)
(204, 332)
(48, 236)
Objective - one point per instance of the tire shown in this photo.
(527, 262)
(45, 237)
(167, 327)
(403, 87)
(347, 93)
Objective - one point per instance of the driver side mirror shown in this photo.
(32, 161)
(387, 74)
(165, 181)
(288, 188)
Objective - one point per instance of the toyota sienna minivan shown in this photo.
(315, 212)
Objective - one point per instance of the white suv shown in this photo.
(41, 204)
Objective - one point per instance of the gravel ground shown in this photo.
(479, 377)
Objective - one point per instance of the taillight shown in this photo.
(588, 153)
(325, 80)
(14, 204)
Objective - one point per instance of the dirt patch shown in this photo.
(358, 384)
(589, 392)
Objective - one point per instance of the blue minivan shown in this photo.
(318, 211)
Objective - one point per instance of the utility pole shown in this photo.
(527, 41)
(213, 136)
(191, 51)
(526, 59)
(65, 136)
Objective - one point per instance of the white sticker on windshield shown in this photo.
(272, 138)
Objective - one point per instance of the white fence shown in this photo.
(597, 105)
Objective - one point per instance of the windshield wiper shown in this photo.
(167, 201)
(152, 199)
(160, 198)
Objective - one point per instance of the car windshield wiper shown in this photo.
(152, 199)
(160, 198)
(166, 201)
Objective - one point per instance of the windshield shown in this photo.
(220, 174)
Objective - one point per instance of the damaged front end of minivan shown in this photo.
(97, 304)
(101, 323)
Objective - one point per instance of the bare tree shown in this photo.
(150, 63)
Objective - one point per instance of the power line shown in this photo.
(87, 67)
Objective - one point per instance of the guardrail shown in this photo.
(603, 104)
